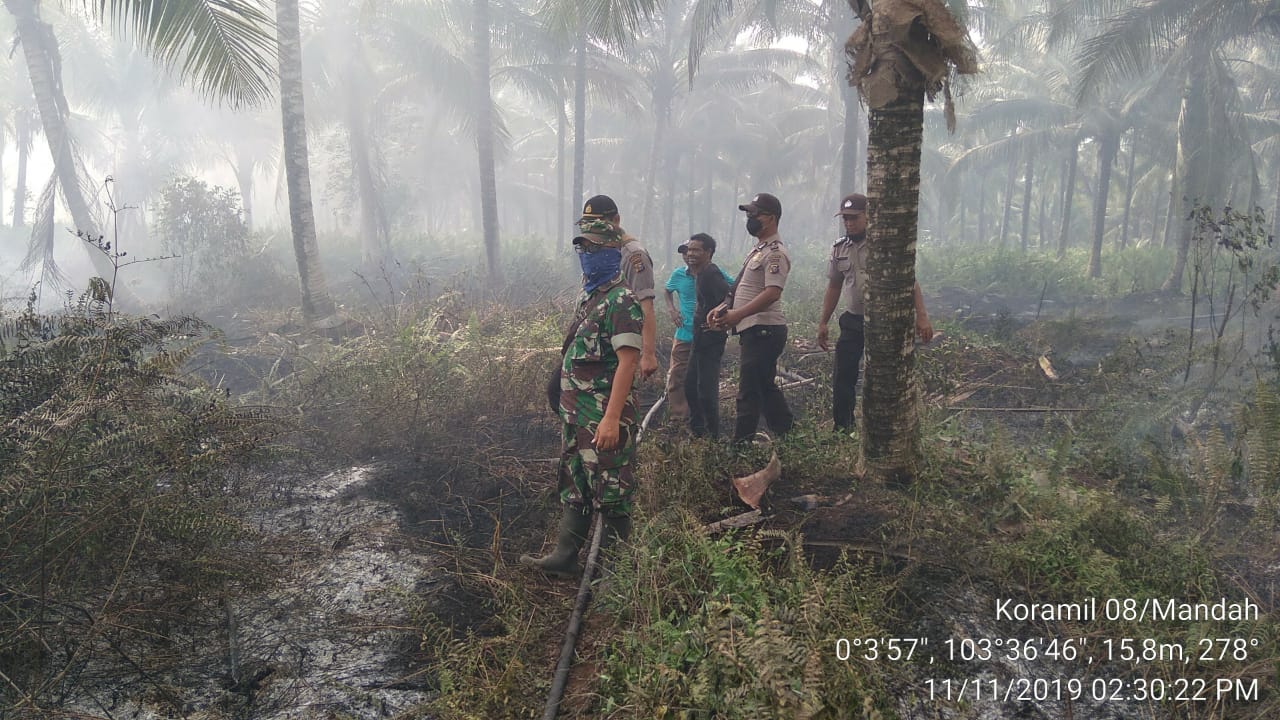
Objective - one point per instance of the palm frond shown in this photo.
(1129, 45)
(1268, 146)
(225, 47)
(534, 82)
(1261, 125)
(613, 22)
(706, 18)
(1007, 114)
(40, 248)
(1065, 22)
(1010, 148)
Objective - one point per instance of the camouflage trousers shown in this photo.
(586, 474)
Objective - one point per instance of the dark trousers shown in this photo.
(757, 391)
(702, 383)
(844, 384)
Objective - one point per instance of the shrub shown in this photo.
(202, 227)
(115, 511)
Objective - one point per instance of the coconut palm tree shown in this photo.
(589, 27)
(482, 76)
(345, 85)
(17, 126)
(316, 301)
(1183, 43)
(223, 48)
(902, 52)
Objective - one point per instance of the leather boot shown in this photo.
(563, 561)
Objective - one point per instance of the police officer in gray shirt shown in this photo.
(754, 312)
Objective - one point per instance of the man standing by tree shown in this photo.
(902, 52)
(754, 311)
(637, 274)
(846, 276)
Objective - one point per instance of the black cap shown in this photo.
(600, 206)
(853, 204)
(765, 203)
(683, 247)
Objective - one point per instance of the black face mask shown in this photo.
(754, 226)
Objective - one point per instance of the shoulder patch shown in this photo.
(775, 267)
(637, 262)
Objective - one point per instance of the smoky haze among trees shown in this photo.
(1092, 126)
(244, 242)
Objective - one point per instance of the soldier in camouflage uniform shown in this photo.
(637, 274)
(596, 404)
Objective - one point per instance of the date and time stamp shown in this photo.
(1096, 668)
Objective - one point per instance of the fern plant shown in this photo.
(1261, 424)
(112, 493)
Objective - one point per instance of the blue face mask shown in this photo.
(599, 267)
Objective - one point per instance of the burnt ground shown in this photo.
(462, 514)
(478, 506)
(486, 507)
(482, 512)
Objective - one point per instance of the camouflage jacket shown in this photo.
(613, 320)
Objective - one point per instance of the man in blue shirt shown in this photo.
(702, 383)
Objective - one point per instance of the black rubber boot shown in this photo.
(563, 561)
(615, 528)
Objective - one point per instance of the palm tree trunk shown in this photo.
(849, 154)
(22, 124)
(941, 226)
(40, 49)
(1275, 214)
(657, 155)
(579, 122)
(1010, 177)
(484, 141)
(316, 302)
(373, 240)
(670, 168)
(650, 183)
(982, 205)
(707, 220)
(562, 215)
(3, 141)
(891, 409)
(732, 221)
(1192, 126)
(1169, 220)
(1026, 200)
(1155, 215)
(692, 207)
(1108, 145)
(1128, 193)
(1068, 198)
(1046, 197)
(244, 180)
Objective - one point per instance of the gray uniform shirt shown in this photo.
(848, 264)
(637, 269)
(767, 266)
